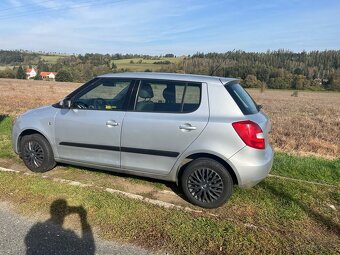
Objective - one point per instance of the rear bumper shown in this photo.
(252, 165)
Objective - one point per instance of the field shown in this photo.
(5, 67)
(51, 59)
(305, 125)
(140, 64)
(295, 211)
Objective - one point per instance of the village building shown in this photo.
(48, 75)
(30, 73)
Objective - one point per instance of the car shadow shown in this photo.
(3, 117)
(50, 237)
(317, 217)
(170, 185)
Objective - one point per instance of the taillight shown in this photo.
(250, 133)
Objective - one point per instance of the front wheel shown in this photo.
(206, 183)
(37, 153)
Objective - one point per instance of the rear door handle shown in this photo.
(187, 126)
(112, 123)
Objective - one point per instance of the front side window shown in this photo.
(104, 94)
(168, 96)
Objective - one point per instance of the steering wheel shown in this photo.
(80, 105)
(99, 103)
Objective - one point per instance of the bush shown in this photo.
(251, 82)
(7, 73)
(164, 62)
(64, 75)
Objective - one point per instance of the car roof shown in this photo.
(170, 76)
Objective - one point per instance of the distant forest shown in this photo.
(282, 69)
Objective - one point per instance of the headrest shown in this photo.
(145, 91)
(169, 95)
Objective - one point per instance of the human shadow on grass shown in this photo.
(50, 237)
(317, 217)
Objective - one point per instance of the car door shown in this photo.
(167, 117)
(90, 131)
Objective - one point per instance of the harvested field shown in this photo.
(305, 125)
(308, 124)
(17, 96)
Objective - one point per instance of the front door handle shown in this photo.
(187, 126)
(112, 123)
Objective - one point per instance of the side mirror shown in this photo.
(259, 107)
(66, 103)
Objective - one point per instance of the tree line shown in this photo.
(315, 70)
(282, 69)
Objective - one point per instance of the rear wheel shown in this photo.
(206, 183)
(37, 153)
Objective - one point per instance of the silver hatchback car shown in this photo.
(205, 133)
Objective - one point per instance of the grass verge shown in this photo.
(5, 137)
(307, 168)
(275, 217)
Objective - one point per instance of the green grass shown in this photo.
(146, 64)
(51, 59)
(307, 168)
(5, 137)
(286, 216)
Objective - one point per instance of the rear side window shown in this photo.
(242, 99)
(168, 96)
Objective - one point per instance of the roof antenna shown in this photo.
(223, 62)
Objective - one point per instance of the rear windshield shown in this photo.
(242, 99)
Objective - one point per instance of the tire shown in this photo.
(211, 192)
(37, 153)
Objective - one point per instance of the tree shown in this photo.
(64, 75)
(298, 71)
(251, 82)
(300, 82)
(21, 74)
(38, 77)
(334, 82)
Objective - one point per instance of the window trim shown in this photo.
(94, 83)
(139, 82)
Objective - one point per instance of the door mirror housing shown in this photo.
(66, 103)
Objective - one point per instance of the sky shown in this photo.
(158, 27)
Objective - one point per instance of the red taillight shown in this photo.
(250, 133)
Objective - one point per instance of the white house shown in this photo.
(30, 73)
(48, 75)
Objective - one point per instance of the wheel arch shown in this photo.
(194, 156)
(30, 132)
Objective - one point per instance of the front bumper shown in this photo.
(252, 165)
(15, 136)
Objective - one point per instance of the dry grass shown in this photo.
(16, 96)
(307, 124)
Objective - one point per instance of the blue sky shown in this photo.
(159, 27)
